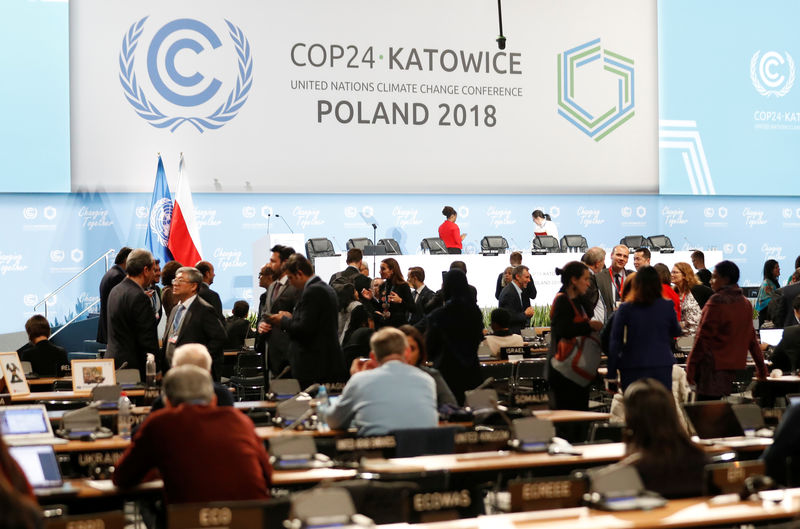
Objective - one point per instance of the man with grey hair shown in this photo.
(178, 440)
(385, 393)
(599, 299)
(196, 354)
(131, 321)
(192, 320)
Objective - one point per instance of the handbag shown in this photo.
(578, 358)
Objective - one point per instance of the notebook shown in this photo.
(41, 468)
(27, 425)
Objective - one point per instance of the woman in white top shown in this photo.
(543, 224)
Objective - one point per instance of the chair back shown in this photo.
(574, 243)
(494, 244)
(548, 243)
(359, 242)
(635, 241)
(319, 247)
(391, 245)
(660, 243)
(433, 245)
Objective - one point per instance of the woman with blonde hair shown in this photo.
(693, 295)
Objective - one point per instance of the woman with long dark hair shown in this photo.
(642, 333)
(449, 232)
(454, 333)
(393, 301)
(657, 443)
(568, 319)
(418, 357)
(772, 270)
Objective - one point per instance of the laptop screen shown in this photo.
(23, 420)
(771, 336)
(39, 464)
(713, 419)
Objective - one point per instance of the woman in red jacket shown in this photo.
(449, 232)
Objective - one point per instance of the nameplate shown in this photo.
(728, 478)
(104, 457)
(334, 388)
(546, 493)
(441, 500)
(352, 444)
(528, 399)
(248, 516)
(106, 520)
(474, 438)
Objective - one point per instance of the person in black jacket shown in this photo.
(112, 278)
(420, 293)
(314, 352)
(46, 358)
(514, 298)
(394, 302)
(454, 333)
(131, 323)
(568, 319)
(205, 292)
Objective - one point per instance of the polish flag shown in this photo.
(184, 237)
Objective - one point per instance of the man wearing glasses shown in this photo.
(192, 320)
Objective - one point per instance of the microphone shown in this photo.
(123, 365)
(313, 388)
(374, 226)
(300, 420)
(284, 221)
(285, 370)
(501, 40)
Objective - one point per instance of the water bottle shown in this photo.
(150, 370)
(322, 409)
(124, 416)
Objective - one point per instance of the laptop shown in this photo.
(27, 425)
(771, 336)
(715, 422)
(41, 468)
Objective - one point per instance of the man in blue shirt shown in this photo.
(391, 396)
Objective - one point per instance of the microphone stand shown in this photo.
(374, 244)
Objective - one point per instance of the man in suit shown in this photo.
(131, 322)
(422, 294)
(598, 299)
(314, 352)
(515, 259)
(281, 296)
(699, 263)
(112, 278)
(786, 356)
(192, 320)
(514, 300)
(46, 358)
(780, 307)
(354, 258)
(205, 292)
(641, 257)
(617, 273)
(154, 291)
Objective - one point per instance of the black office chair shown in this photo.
(493, 245)
(359, 243)
(319, 247)
(548, 243)
(635, 241)
(661, 243)
(391, 245)
(574, 243)
(433, 245)
(529, 384)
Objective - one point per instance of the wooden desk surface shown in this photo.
(65, 395)
(571, 415)
(47, 381)
(690, 512)
(112, 443)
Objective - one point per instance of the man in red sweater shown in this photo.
(203, 452)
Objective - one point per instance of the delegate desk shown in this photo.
(482, 270)
(690, 512)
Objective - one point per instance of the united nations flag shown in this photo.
(160, 217)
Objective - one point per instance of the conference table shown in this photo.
(682, 513)
(482, 270)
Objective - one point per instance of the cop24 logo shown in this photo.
(184, 94)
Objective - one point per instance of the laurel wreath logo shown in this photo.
(760, 88)
(148, 111)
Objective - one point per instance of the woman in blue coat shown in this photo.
(642, 333)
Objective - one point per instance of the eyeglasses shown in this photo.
(178, 281)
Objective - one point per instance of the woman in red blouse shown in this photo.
(449, 232)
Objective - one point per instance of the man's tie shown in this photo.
(618, 284)
(176, 321)
(416, 294)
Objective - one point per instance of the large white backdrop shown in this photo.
(231, 84)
